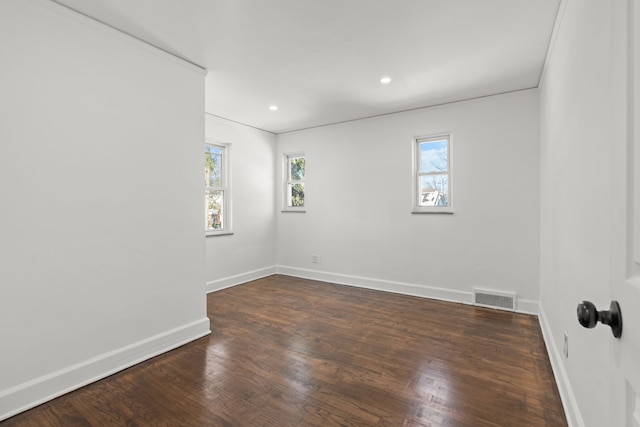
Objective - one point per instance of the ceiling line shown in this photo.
(562, 6)
(240, 123)
(118, 30)
(405, 111)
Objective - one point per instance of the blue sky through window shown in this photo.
(433, 156)
(213, 159)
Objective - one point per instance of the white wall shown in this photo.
(358, 203)
(575, 204)
(101, 239)
(250, 252)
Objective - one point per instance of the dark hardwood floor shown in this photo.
(294, 352)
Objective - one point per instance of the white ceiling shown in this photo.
(321, 61)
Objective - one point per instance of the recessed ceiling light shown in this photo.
(385, 80)
(273, 107)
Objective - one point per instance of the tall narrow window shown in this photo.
(295, 171)
(432, 192)
(217, 194)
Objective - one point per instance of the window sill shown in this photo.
(224, 233)
(432, 212)
(292, 211)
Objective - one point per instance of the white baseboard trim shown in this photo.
(39, 390)
(527, 306)
(424, 291)
(378, 284)
(571, 410)
(238, 279)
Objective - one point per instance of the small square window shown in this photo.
(216, 193)
(432, 174)
(294, 185)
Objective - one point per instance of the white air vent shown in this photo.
(495, 299)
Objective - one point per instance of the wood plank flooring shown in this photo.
(294, 352)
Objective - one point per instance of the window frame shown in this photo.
(417, 174)
(225, 187)
(287, 181)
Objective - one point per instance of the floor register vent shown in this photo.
(494, 299)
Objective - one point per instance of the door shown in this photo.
(625, 250)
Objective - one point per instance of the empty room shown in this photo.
(413, 213)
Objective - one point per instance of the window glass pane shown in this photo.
(296, 168)
(295, 195)
(434, 190)
(433, 156)
(214, 201)
(212, 166)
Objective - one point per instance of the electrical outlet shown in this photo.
(565, 345)
(314, 258)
